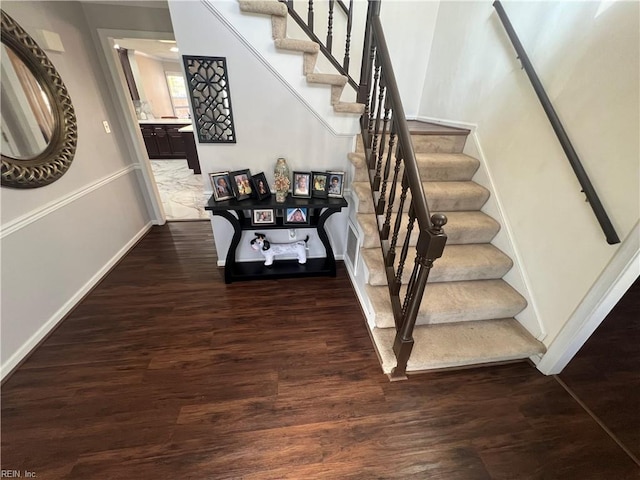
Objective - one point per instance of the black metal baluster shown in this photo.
(347, 46)
(310, 15)
(374, 90)
(405, 245)
(376, 123)
(377, 178)
(384, 234)
(391, 256)
(330, 26)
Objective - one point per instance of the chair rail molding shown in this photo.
(34, 215)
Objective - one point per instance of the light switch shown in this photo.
(106, 126)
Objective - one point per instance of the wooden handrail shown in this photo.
(572, 156)
(389, 150)
(402, 127)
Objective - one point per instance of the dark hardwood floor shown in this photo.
(165, 372)
(605, 373)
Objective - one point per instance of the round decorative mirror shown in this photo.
(38, 129)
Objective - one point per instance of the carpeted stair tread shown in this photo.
(461, 228)
(460, 344)
(458, 263)
(441, 196)
(264, 7)
(295, 45)
(432, 166)
(433, 143)
(348, 107)
(448, 302)
(279, 14)
(327, 79)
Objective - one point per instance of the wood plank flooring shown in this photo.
(165, 372)
(605, 373)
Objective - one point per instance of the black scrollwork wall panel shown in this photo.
(208, 86)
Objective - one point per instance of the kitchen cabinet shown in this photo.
(163, 140)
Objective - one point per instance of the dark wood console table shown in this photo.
(319, 210)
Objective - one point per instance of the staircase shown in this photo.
(310, 51)
(466, 316)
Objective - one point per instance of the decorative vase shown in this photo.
(282, 181)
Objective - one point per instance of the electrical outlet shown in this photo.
(106, 126)
(292, 233)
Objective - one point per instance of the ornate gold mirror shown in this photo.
(38, 129)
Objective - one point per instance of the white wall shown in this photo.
(155, 85)
(590, 68)
(270, 121)
(409, 27)
(106, 22)
(58, 240)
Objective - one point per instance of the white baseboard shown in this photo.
(530, 317)
(58, 316)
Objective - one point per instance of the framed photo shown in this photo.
(221, 186)
(319, 182)
(261, 186)
(263, 216)
(296, 216)
(241, 184)
(301, 184)
(335, 187)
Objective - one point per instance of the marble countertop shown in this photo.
(169, 121)
(188, 128)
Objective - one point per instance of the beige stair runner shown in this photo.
(467, 313)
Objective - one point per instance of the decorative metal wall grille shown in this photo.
(208, 86)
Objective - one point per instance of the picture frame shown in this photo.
(335, 187)
(301, 186)
(241, 184)
(261, 186)
(263, 216)
(296, 216)
(221, 183)
(319, 182)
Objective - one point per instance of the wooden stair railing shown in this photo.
(326, 47)
(385, 135)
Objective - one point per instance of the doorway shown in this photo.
(156, 90)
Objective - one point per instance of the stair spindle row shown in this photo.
(385, 135)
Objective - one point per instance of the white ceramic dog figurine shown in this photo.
(270, 250)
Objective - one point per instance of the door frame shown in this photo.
(126, 114)
(606, 292)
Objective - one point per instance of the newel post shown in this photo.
(430, 247)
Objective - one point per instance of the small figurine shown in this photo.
(270, 250)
